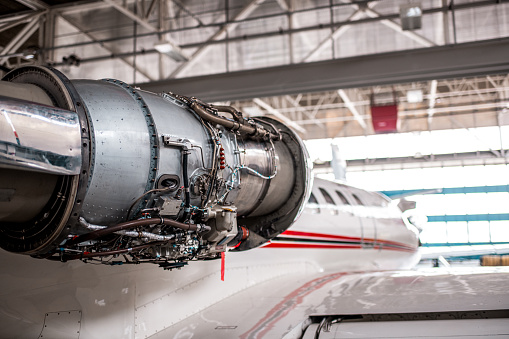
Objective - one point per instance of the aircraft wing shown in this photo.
(431, 303)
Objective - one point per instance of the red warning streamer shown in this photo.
(222, 265)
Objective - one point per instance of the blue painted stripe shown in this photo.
(450, 190)
(468, 217)
(476, 189)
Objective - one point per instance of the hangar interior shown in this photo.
(323, 67)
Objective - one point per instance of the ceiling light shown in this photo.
(174, 52)
(414, 96)
(411, 16)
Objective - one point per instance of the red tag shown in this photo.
(222, 265)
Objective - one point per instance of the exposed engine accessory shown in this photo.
(97, 170)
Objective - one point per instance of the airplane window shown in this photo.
(342, 197)
(357, 200)
(313, 204)
(327, 197)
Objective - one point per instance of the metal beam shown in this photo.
(438, 160)
(432, 100)
(283, 4)
(278, 115)
(34, 4)
(333, 36)
(358, 14)
(244, 13)
(109, 50)
(9, 25)
(20, 38)
(79, 7)
(352, 108)
(298, 107)
(144, 23)
(442, 62)
(470, 108)
(397, 27)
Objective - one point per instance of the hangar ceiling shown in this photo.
(318, 65)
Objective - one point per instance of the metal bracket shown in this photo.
(170, 140)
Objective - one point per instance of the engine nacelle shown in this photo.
(98, 168)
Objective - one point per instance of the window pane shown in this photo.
(479, 231)
(327, 197)
(434, 232)
(499, 230)
(357, 200)
(342, 197)
(457, 232)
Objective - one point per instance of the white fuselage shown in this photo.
(354, 230)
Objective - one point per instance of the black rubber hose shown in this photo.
(86, 255)
(131, 224)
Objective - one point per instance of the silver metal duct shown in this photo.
(41, 138)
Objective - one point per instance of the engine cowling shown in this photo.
(98, 168)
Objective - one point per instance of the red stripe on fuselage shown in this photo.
(301, 245)
(307, 235)
(333, 246)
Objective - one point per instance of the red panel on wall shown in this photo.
(385, 118)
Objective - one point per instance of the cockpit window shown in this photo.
(327, 197)
(379, 201)
(342, 197)
(312, 199)
(313, 204)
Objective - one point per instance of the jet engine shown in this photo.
(95, 170)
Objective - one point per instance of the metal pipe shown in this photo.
(125, 250)
(136, 223)
(134, 234)
(185, 175)
(237, 116)
(86, 255)
(251, 130)
(27, 138)
(218, 25)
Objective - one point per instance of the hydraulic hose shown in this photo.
(135, 223)
(237, 116)
(86, 255)
(252, 130)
